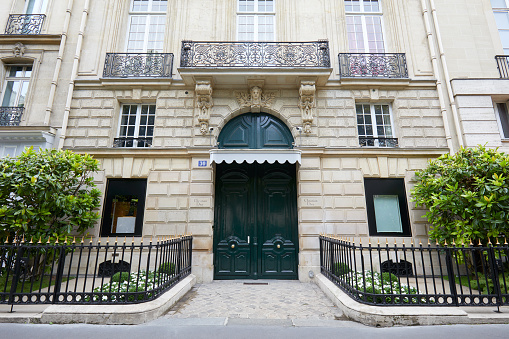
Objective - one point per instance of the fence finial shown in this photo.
(23, 239)
(151, 238)
(91, 239)
(56, 241)
(489, 241)
(74, 240)
(480, 244)
(133, 240)
(445, 242)
(360, 241)
(40, 240)
(125, 239)
(116, 240)
(386, 241)
(453, 243)
(107, 240)
(48, 240)
(378, 241)
(471, 244)
(369, 241)
(498, 243)
(505, 241)
(31, 240)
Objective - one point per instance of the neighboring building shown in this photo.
(256, 125)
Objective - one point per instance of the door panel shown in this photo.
(256, 234)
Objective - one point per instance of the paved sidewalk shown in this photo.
(275, 299)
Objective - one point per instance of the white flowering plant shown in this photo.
(129, 283)
(387, 285)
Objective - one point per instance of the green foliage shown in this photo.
(467, 195)
(388, 278)
(167, 268)
(120, 277)
(341, 268)
(47, 193)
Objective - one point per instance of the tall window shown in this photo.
(124, 205)
(374, 125)
(136, 126)
(147, 21)
(255, 20)
(16, 86)
(501, 12)
(387, 207)
(503, 119)
(364, 26)
(36, 6)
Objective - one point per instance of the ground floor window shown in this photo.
(387, 207)
(503, 119)
(123, 207)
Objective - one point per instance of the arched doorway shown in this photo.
(255, 221)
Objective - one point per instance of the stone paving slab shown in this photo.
(243, 300)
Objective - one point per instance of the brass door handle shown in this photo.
(233, 245)
(278, 246)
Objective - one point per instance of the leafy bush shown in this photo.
(389, 277)
(120, 277)
(467, 195)
(167, 268)
(47, 193)
(341, 268)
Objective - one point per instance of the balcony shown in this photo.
(11, 116)
(378, 142)
(132, 142)
(25, 24)
(503, 65)
(138, 65)
(373, 65)
(234, 62)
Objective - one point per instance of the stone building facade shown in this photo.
(192, 106)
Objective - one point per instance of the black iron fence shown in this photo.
(11, 116)
(255, 54)
(138, 65)
(373, 65)
(378, 141)
(503, 65)
(91, 272)
(25, 24)
(428, 275)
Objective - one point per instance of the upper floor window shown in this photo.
(374, 125)
(147, 22)
(136, 126)
(16, 86)
(501, 12)
(255, 20)
(36, 6)
(364, 26)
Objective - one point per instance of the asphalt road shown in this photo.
(210, 329)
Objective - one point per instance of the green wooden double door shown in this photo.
(255, 228)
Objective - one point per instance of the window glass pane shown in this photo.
(28, 72)
(246, 5)
(352, 5)
(140, 5)
(246, 27)
(387, 214)
(156, 34)
(498, 4)
(504, 119)
(265, 5)
(375, 36)
(504, 36)
(371, 6)
(123, 213)
(11, 90)
(23, 94)
(159, 5)
(16, 72)
(136, 40)
(265, 28)
(502, 20)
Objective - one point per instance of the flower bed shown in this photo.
(369, 285)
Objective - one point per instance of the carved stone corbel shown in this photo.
(307, 93)
(204, 103)
(18, 50)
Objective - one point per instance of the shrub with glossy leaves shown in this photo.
(47, 193)
(466, 194)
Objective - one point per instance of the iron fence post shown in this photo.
(494, 273)
(179, 257)
(59, 275)
(450, 274)
(15, 278)
(332, 268)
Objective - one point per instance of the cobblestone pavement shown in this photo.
(250, 300)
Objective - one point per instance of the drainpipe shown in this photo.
(54, 82)
(74, 74)
(438, 76)
(455, 115)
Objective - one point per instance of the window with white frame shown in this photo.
(147, 22)
(16, 86)
(364, 26)
(256, 20)
(136, 127)
(374, 125)
(36, 6)
(501, 12)
(503, 119)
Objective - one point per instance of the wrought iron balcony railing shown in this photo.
(255, 54)
(25, 24)
(503, 65)
(373, 65)
(132, 142)
(138, 65)
(378, 141)
(11, 116)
